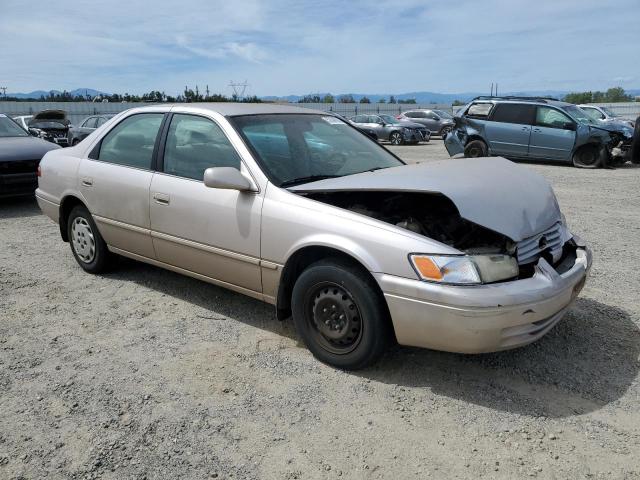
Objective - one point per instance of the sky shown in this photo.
(283, 47)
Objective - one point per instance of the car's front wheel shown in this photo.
(476, 149)
(445, 131)
(340, 314)
(87, 245)
(396, 138)
(589, 156)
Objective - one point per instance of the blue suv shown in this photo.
(538, 129)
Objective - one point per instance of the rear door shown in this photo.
(115, 180)
(208, 231)
(509, 129)
(553, 135)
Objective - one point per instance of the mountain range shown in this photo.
(423, 97)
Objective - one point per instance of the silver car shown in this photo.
(299, 209)
(606, 116)
(389, 128)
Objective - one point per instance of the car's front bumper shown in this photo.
(454, 143)
(483, 318)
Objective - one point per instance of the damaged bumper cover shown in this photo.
(484, 318)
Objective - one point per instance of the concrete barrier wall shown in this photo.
(77, 111)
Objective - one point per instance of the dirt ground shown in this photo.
(143, 373)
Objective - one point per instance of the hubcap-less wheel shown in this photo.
(334, 318)
(84, 243)
(395, 139)
(445, 132)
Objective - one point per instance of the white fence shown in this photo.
(79, 110)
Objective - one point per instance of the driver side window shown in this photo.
(194, 144)
(551, 118)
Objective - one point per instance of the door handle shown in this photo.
(524, 129)
(86, 181)
(161, 198)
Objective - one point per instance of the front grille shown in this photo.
(19, 166)
(530, 249)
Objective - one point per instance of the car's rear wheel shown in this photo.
(589, 156)
(476, 149)
(396, 138)
(87, 245)
(340, 315)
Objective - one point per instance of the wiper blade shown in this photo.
(310, 178)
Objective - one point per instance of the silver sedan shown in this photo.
(299, 209)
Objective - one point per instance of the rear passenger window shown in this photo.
(131, 142)
(479, 110)
(513, 113)
(89, 123)
(195, 144)
(414, 114)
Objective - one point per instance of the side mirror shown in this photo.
(227, 178)
(569, 126)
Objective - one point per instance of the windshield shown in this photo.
(609, 112)
(443, 114)
(299, 148)
(9, 128)
(388, 119)
(580, 115)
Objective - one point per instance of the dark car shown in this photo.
(390, 128)
(438, 123)
(54, 124)
(20, 154)
(87, 126)
(537, 128)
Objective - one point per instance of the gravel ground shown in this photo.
(143, 373)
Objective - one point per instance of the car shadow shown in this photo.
(15, 207)
(586, 362)
(557, 163)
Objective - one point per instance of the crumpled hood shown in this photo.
(24, 148)
(492, 192)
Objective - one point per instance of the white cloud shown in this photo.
(288, 46)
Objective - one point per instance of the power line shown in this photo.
(239, 89)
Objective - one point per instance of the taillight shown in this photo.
(38, 172)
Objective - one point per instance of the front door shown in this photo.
(509, 129)
(115, 182)
(208, 231)
(553, 135)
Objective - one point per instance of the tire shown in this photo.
(444, 132)
(340, 315)
(635, 143)
(74, 142)
(395, 138)
(589, 156)
(476, 149)
(87, 245)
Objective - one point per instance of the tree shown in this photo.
(392, 99)
(328, 98)
(365, 100)
(615, 94)
(408, 101)
(346, 99)
(310, 99)
(382, 100)
(457, 103)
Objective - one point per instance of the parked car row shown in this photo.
(540, 129)
(391, 129)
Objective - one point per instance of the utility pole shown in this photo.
(239, 89)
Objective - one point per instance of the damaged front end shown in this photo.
(456, 141)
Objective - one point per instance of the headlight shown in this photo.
(464, 269)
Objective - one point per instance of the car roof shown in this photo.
(231, 109)
(534, 101)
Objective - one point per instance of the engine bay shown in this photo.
(431, 215)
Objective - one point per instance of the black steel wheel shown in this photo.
(340, 314)
(476, 149)
(589, 156)
(445, 131)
